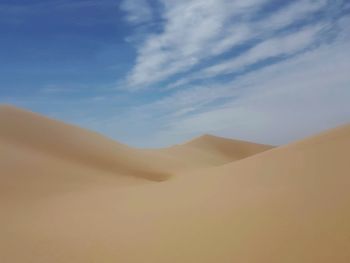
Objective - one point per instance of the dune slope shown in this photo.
(72, 145)
(30, 134)
(207, 151)
(289, 204)
(45, 157)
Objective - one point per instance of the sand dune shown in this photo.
(52, 151)
(73, 145)
(287, 204)
(207, 151)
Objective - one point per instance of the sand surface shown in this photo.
(71, 195)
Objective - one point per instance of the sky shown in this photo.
(152, 73)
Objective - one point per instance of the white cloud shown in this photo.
(297, 10)
(300, 95)
(185, 101)
(192, 29)
(284, 102)
(278, 46)
(138, 11)
(276, 104)
(197, 30)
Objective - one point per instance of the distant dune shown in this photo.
(37, 151)
(70, 195)
(207, 151)
(72, 145)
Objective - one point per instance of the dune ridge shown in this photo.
(73, 144)
(78, 146)
(286, 204)
(204, 152)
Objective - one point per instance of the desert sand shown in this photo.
(71, 195)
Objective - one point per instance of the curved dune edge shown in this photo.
(75, 146)
(207, 151)
(288, 204)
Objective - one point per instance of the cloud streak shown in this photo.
(197, 31)
(280, 102)
(137, 11)
(191, 30)
(278, 46)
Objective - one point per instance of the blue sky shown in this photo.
(152, 73)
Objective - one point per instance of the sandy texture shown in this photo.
(206, 151)
(89, 199)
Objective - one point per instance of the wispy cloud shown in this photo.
(137, 11)
(274, 104)
(196, 31)
(278, 104)
(273, 47)
(191, 30)
(293, 12)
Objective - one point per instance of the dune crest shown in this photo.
(75, 145)
(207, 151)
(230, 149)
